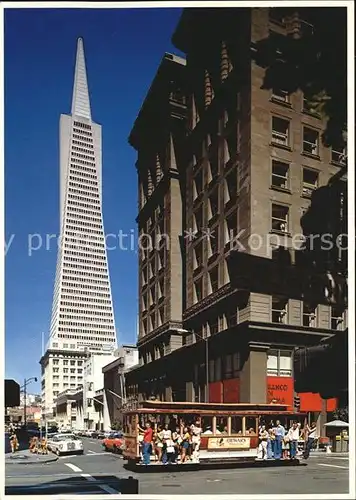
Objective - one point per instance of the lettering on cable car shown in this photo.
(236, 443)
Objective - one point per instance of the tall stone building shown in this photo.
(82, 321)
(249, 161)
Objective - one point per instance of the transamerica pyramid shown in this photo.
(82, 312)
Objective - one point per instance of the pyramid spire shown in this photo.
(80, 100)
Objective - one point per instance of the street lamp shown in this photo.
(181, 330)
(24, 387)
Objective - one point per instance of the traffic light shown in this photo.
(297, 403)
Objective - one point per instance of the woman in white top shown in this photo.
(196, 431)
(262, 447)
(166, 439)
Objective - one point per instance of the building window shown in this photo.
(231, 186)
(280, 95)
(213, 242)
(279, 363)
(309, 314)
(213, 204)
(280, 174)
(198, 290)
(198, 255)
(280, 131)
(231, 227)
(310, 141)
(338, 156)
(308, 107)
(197, 184)
(198, 219)
(153, 321)
(280, 218)
(279, 309)
(310, 181)
(214, 279)
(337, 319)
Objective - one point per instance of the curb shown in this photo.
(19, 461)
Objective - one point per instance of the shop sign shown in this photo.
(280, 390)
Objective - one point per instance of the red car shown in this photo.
(114, 442)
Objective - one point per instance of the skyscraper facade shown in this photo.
(82, 321)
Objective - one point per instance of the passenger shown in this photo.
(293, 438)
(310, 438)
(196, 434)
(186, 442)
(177, 440)
(269, 444)
(208, 430)
(170, 452)
(159, 443)
(280, 433)
(166, 437)
(285, 447)
(262, 448)
(147, 444)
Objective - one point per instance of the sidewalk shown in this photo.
(25, 457)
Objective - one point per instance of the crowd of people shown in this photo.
(182, 444)
(169, 446)
(276, 442)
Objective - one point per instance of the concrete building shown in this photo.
(113, 395)
(80, 408)
(82, 314)
(240, 168)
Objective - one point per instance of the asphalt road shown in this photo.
(98, 472)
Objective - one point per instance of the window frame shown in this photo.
(311, 153)
(284, 162)
(288, 133)
(278, 354)
(280, 231)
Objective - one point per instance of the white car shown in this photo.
(65, 443)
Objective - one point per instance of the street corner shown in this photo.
(28, 458)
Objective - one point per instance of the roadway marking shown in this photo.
(336, 466)
(90, 478)
(103, 487)
(90, 451)
(74, 467)
(97, 453)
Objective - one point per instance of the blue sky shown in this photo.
(123, 50)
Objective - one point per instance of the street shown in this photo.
(98, 472)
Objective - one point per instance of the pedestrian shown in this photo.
(280, 433)
(14, 443)
(310, 439)
(293, 438)
(166, 438)
(262, 447)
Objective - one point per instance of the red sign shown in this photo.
(280, 390)
(310, 401)
(231, 390)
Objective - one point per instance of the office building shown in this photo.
(82, 322)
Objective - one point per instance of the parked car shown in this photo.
(65, 443)
(114, 442)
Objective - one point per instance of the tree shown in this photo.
(312, 58)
